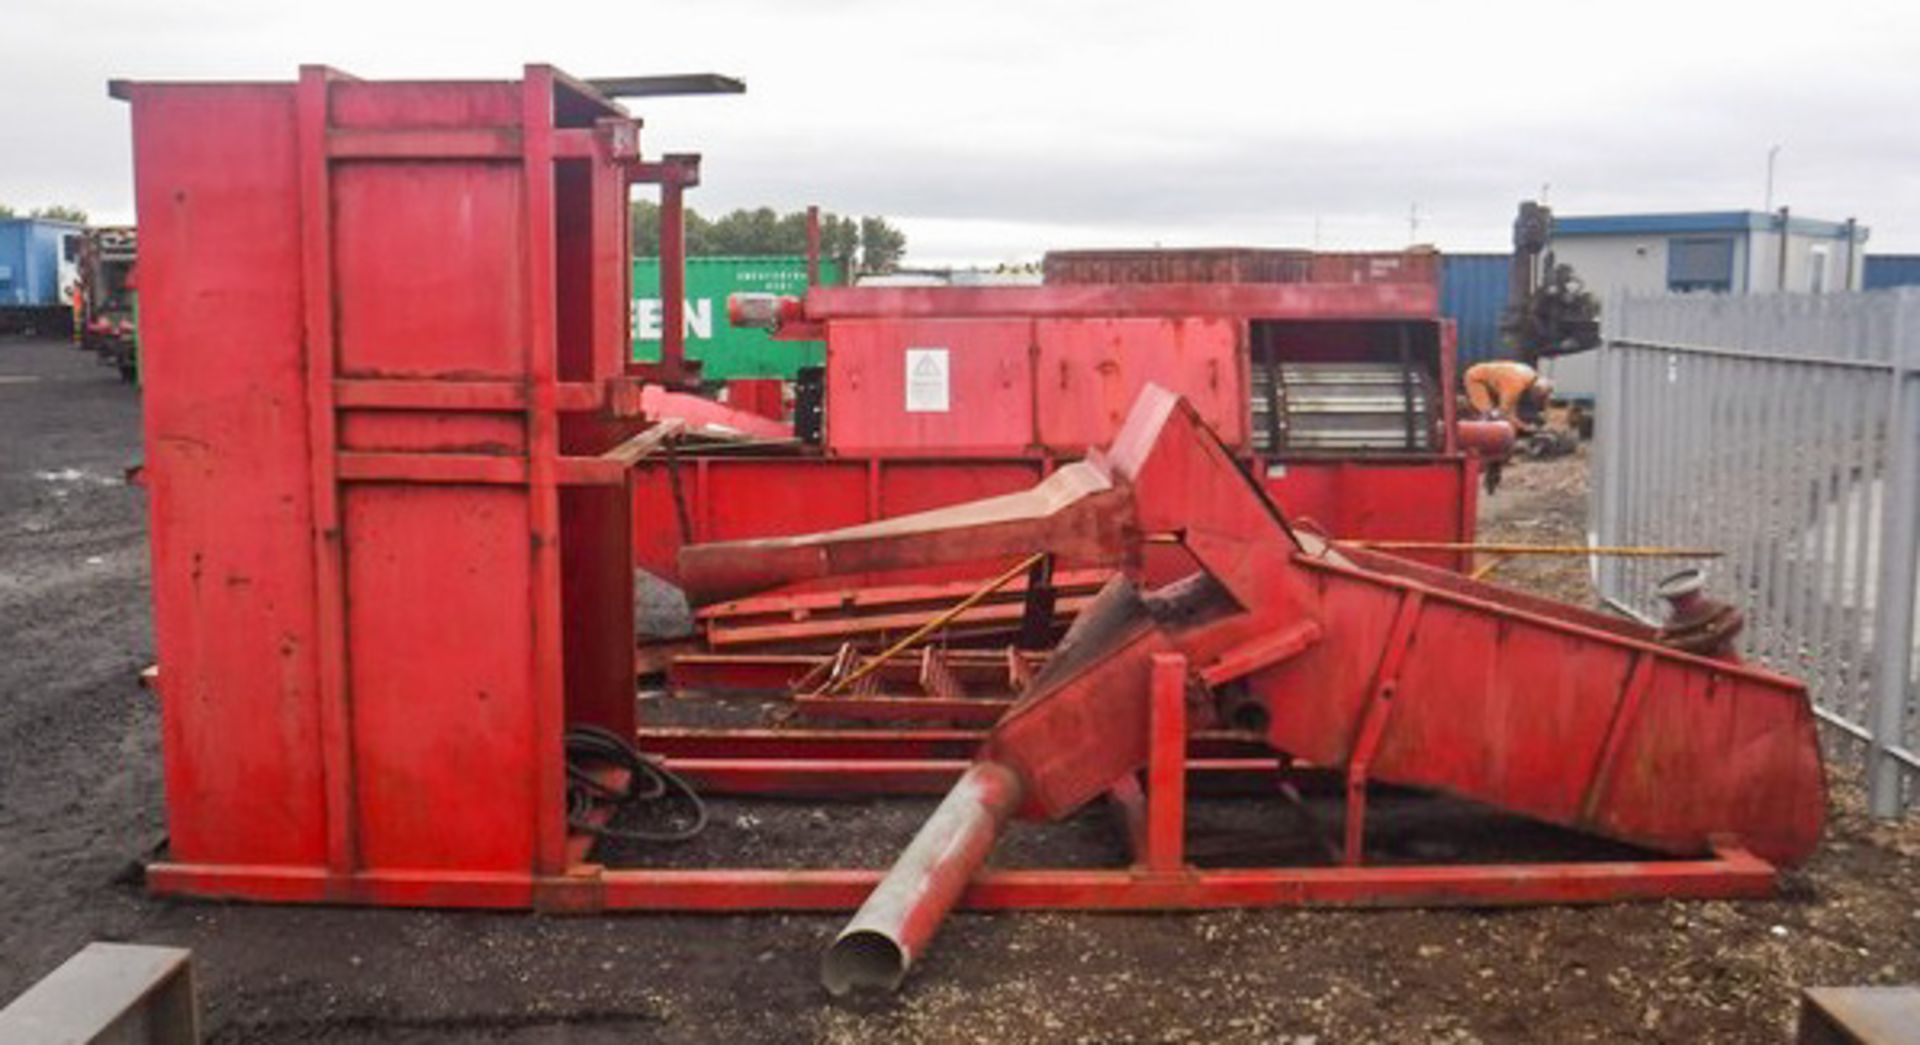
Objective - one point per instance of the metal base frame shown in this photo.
(1728, 875)
(824, 763)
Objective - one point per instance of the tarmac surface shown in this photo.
(80, 806)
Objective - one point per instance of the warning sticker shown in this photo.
(927, 381)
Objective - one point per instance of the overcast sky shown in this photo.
(991, 132)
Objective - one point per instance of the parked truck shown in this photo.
(107, 314)
(36, 273)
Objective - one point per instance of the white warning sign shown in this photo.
(927, 381)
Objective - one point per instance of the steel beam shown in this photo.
(118, 993)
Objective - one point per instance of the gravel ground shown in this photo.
(80, 803)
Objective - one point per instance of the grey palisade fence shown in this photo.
(1784, 429)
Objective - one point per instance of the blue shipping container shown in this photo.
(1891, 270)
(34, 263)
(1473, 293)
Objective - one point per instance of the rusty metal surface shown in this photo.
(1192, 265)
(1239, 265)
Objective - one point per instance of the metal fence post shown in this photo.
(1899, 555)
(1605, 496)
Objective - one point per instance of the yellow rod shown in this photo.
(1647, 552)
(935, 624)
(1480, 573)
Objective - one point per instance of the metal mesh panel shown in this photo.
(1346, 406)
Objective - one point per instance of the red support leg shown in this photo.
(1129, 804)
(1379, 706)
(1167, 766)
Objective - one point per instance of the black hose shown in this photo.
(590, 747)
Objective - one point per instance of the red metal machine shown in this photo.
(392, 492)
(1332, 393)
(1396, 672)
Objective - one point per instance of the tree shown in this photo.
(839, 239)
(5, 211)
(61, 212)
(867, 245)
(881, 245)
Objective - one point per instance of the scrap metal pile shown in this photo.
(395, 533)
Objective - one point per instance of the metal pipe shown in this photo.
(900, 917)
(1628, 552)
(1488, 439)
(1899, 556)
(1786, 223)
(1853, 247)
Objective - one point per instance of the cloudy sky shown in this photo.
(993, 131)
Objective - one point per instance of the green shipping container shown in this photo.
(724, 350)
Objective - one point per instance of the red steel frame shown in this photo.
(390, 564)
(1159, 878)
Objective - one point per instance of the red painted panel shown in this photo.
(596, 564)
(1321, 693)
(763, 396)
(739, 498)
(916, 486)
(1089, 372)
(767, 497)
(1307, 492)
(429, 269)
(424, 431)
(1525, 707)
(1544, 700)
(225, 429)
(1722, 742)
(989, 403)
(657, 536)
(438, 588)
(1359, 499)
(444, 103)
